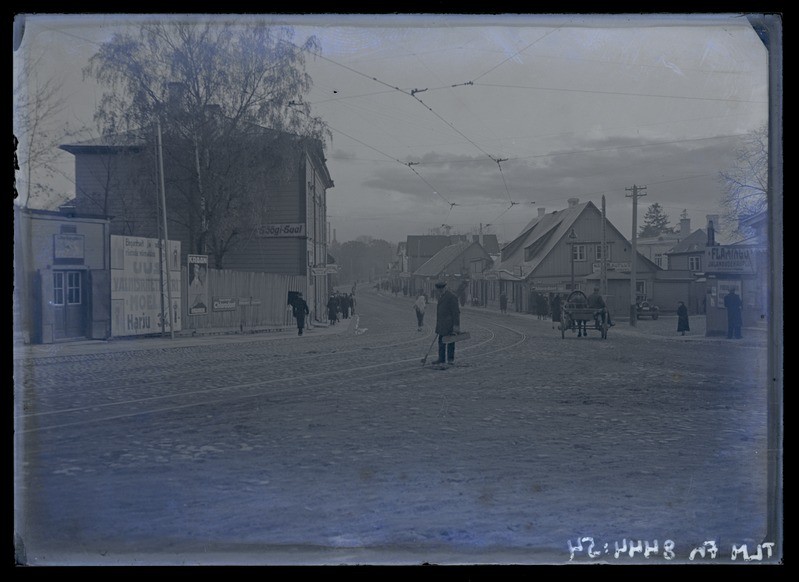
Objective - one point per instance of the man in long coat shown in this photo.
(300, 311)
(448, 322)
(733, 304)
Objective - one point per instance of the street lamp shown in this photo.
(572, 238)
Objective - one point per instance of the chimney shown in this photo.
(541, 212)
(685, 227)
(712, 225)
(573, 202)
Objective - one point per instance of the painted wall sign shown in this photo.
(730, 259)
(281, 230)
(68, 246)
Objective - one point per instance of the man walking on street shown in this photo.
(300, 311)
(733, 305)
(448, 322)
(503, 303)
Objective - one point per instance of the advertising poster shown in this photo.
(137, 285)
(198, 285)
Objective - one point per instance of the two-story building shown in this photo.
(285, 232)
(562, 251)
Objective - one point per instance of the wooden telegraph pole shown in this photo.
(636, 192)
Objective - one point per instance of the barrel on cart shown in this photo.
(578, 317)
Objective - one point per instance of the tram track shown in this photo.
(117, 394)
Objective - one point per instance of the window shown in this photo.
(58, 288)
(659, 260)
(73, 288)
(578, 252)
(695, 263)
(598, 252)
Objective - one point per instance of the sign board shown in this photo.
(730, 259)
(332, 269)
(223, 304)
(136, 286)
(405, 275)
(245, 301)
(618, 267)
(491, 276)
(67, 246)
(318, 271)
(281, 230)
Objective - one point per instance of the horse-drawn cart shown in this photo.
(577, 316)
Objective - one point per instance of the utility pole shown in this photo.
(603, 269)
(164, 242)
(636, 192)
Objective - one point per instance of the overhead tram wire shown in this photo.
(412, 93)
(382, 153)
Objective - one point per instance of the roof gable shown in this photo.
(446, 256)
(694, 242)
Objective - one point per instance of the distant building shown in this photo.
(456, 264)
(657, 248)
(542, 258)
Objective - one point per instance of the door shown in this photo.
(69, 304)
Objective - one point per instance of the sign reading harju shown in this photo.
(139, 274)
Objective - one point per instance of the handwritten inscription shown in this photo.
(630, 548)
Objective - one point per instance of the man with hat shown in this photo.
(448, 322)
(300, 311)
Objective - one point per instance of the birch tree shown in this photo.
(230, 99)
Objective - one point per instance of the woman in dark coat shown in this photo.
(682, 318)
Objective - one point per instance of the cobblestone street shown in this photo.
(339, 447)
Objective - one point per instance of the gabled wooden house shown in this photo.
(561, 251)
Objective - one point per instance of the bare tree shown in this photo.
(227, 97)
(745, 185)
(38, 101)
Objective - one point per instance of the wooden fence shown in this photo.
(244, 300)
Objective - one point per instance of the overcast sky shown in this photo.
(466, 121)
